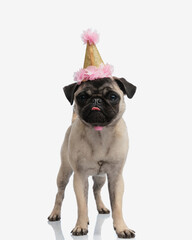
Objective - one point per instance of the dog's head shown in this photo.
(100, 102)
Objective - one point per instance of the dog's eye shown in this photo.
(113, 97)
(82, 97)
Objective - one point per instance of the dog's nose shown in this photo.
(97, 101)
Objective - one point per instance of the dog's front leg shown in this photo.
(116, 189)
(81, 192)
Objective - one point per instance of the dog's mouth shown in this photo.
(97, 116)
(97, 128)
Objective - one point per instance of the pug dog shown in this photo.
(96, 144)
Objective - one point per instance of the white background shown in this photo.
(150, 44)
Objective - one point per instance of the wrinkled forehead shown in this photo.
(98, 86)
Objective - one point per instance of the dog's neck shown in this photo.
(99, 141)
(109, 129)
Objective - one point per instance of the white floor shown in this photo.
(153, 213)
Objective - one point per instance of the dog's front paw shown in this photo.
(78, 230)
(54, 217)
(127, 233)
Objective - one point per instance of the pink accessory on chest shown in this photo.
(98, 128)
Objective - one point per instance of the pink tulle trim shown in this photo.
(92, 73)
(90, 37)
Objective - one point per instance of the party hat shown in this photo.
(94, 67)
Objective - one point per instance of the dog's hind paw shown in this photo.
(127, 233)
(103, 210)
(78, 231)
(54, 217)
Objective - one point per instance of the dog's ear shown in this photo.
(126, 87)
(70, 91)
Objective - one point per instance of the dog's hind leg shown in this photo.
(98, 184)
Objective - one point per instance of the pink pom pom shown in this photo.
(90, 37)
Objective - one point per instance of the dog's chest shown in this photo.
(98, 154)
(93, 153)
(91, 166)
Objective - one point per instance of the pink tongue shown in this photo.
(96, 108)
(98, 128)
